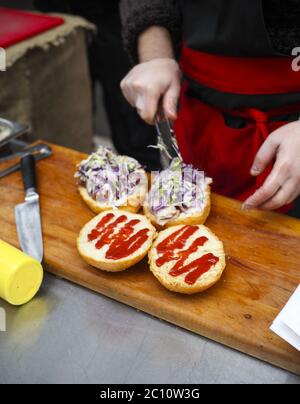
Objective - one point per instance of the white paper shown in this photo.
(287, 324)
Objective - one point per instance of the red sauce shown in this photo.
(95, 232)
(172, 249)
(175, 241)
(121, 244)
(128, 247)
(196, 268)
(107, 233)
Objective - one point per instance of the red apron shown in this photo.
(206, 141)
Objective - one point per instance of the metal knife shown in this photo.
(28, 217)
(167, 141)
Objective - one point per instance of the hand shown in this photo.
(283, 184)
(148, 83)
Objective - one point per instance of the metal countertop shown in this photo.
(71, 335)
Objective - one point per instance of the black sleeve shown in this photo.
(138, 15)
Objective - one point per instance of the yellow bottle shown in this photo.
(20, 275)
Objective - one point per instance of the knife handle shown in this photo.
(28, 172)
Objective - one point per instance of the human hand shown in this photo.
(283, 184)
(147, 83)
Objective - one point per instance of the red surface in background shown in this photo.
(16, 25)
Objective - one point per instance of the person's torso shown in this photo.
(246, 29)
(255, 28)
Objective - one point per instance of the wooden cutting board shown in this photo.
(262, 273)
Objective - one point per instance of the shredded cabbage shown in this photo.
(109, 178)
(176, 190)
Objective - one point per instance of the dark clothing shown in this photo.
(239, 69)
(231, 28)
(222, 27)
(281, 19)
(254, 28)
(221, 123)
(108, 65)
(139, 15)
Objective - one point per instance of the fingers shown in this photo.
(170, 100)
(278, 177)
(147, 105)
(144, 98)
(281, 187)
(126, 88)
(148, 82)
(284, 196)
(266, 154)
(263, 194)
(266, 192)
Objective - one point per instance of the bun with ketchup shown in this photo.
(187, 259)
(179, 195)
(115, 240)
(106, 181)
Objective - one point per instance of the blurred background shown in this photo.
(115, 123)
(25, 4)
(87, 108)
(102, 127)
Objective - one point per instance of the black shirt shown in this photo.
(242, 27)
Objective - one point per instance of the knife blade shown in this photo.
(167, 141)
(28, 217)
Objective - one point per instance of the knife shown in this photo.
(167, 141)
(28, 218)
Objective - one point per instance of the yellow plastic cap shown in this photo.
(20, 275)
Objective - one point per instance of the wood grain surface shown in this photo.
(263, 268)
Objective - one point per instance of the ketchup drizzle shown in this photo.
(95, 232)
(108, 232)
(169, 250)
(196, 268)
(122, 244)
(128, 247)
(175, 241)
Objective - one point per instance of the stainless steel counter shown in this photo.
(72, 335)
